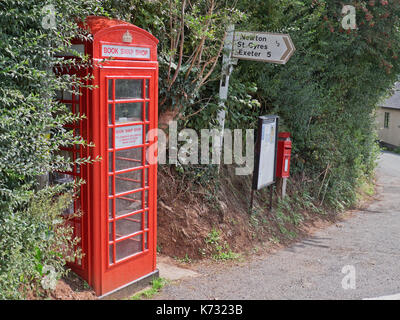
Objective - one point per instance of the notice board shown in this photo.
(265, 152)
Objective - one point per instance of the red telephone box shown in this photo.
(118, 201)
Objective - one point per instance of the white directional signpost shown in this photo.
(257, 46)
(263, 46)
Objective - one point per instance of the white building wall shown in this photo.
(389, 135)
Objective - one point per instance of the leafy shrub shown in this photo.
(326, 95)
(31, 133)
(34, 240)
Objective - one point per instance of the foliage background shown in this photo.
(31, 132)
(326, 96)
(328, 92)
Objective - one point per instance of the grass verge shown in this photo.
(156, 286)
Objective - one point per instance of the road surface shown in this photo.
(355, 259)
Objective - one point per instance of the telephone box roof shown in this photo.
(94, 24)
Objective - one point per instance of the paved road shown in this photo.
(368, 244)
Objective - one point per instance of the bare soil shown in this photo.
(71, 287)
(188, 214)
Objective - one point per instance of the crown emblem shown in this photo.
(127, 37)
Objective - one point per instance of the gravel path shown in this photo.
(366, 245)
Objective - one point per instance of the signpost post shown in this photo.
(268, 47)
(272, 48)
(224, 85)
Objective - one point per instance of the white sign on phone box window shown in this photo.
(130, 136)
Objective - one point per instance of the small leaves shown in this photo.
(31, 132)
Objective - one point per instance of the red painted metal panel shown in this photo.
(118, 273)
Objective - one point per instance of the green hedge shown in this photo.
(31, 132)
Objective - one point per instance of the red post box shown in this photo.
(118, 201)
(284, 155)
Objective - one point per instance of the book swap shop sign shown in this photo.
(261, 46)
(125, 52)
(130, 136)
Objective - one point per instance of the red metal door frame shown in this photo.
(78, 105)
(108, 276)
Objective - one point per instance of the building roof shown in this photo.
(394, 101)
